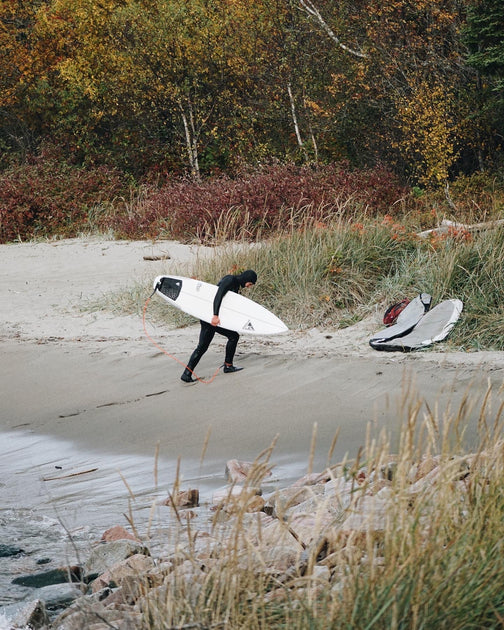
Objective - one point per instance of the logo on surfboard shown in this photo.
(248, 326)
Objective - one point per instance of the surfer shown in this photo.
(227, 283)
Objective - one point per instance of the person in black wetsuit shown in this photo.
(227, 283)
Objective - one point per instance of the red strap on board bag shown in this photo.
(392, 313)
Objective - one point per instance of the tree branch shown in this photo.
(314, 13)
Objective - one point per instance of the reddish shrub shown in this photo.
(46, 198)
(182, 208)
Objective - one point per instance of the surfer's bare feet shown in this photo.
(231, 368)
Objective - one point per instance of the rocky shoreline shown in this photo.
(299, 538)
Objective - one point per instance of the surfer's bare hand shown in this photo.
(215, 320)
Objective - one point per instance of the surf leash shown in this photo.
(168, 354)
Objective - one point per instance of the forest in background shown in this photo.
(101, 97)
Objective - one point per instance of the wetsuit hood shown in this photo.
(247, 276)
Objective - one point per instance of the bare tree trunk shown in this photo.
(191, 141)
(314, 143)
(295, 122)
(448, 197)
(310, 128)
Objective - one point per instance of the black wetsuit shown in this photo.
(207, 332)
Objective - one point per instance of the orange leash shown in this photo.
(167, 353)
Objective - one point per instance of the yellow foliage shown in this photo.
(428, 131)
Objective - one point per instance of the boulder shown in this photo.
(183, 499)
(240, 472)
(278, 533)
(9, 550)
(236, 471)
(369, 515)
(225, 494)
(312, 479)
(46, 578)
(284, 500)
(238, 499)
(93, 615)
(29, 615)
(135, 565)
(106, 555)
(310, 528)
(57, 596)
(117, 532)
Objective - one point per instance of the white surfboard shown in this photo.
(237, 312)
(433, 327)
(408, 318)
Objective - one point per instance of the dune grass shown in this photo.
(434, 560)
(331, 274)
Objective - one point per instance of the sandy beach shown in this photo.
(88, 391)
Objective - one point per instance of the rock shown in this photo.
(425, 482)
(236, 471)
(93, 615)
(339, 486)
(46, 578)
(43, 561)
(424, 467)
(281, 558)
(309, 528)
(58, 596)
(233, 494)
(9, 550)
(133, 587)
(225, 494)
(321, 573)
(278, 533)
(311, 506)
(183, 499)
(284, 500)
(106, 555)
(312, 479)
(370, 515)
(117, 533)
(27, 615)
(240, 472)
(238, 499)
(33, 615)
(255, 504)
(135, 565)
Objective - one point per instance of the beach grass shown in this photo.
(431, 558)
(331, 274)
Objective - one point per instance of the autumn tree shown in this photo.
(399, 82)
(207, 85)
(193, 78)
(22, 72)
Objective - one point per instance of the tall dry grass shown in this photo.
(431, 559)
(335, 272)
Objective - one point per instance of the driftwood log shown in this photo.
(155, 258)
(447, 225)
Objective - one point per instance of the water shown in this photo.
(45, 544)
(57, 500)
